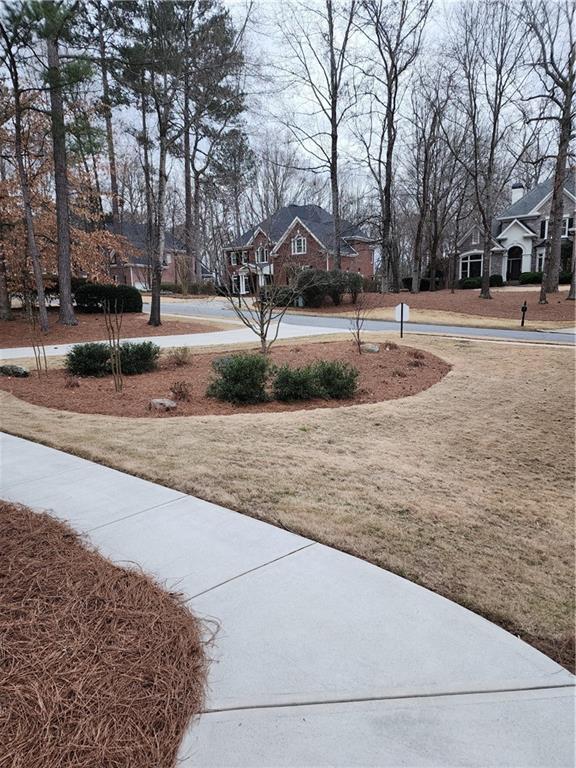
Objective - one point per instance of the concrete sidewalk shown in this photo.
(321, 659)
(236, 336)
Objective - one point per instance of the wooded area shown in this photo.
(199, 119)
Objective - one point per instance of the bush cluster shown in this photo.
(315, 285)
(244, 378)
(476, 282)
(535, 278)
(93, 359)
(91, 297)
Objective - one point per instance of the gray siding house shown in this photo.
(520, 234)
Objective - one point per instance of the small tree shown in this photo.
(359, 317)
(113, 316)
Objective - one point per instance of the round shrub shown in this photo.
(565, 278)
(337, 285)
(354, 285)
(530, 278)
(138, 357)
(312, 285)
(295, 383)
(91, 359)
(470, 282)
(496, 281)
(335, 379)
(91, 297)
(240, 379)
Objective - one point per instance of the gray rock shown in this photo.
(14, 370)
(367, 347)
(162, 404)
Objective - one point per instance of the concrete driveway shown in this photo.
(321, 659)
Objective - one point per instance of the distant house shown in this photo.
(295, 237)
(136, 269)
(520, 234)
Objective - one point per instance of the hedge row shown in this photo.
(315, 285)
(245, 378)
(91, 297)
(93, 359)
(535, 278)
(496, 281)
(205, 288)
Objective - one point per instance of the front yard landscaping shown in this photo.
(465, 487)
(389, 374)
(18, 333)
(100, 666)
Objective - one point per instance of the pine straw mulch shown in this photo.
(100, 668)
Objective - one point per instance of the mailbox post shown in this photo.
(523, 309)
(401, 315)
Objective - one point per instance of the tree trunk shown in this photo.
(335, 191)
(189, 271)
(390, 254)
(158, 257)
(150, 238)
(195, 232)
(31, 245)
(557, 203)
(66, 315)
(572, 292)
(108, 122)
(5, 308)
(486, 248)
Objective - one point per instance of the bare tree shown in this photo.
(10, 42)
(487, 49)
(395, 30)
(318, 41)
(551, 24)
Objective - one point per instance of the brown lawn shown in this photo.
(101, 667)
(389, 374)
(466, 487)
(466, 307)
(17, 333)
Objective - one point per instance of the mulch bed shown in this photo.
(100, 666)
(17, 332)
(386, 375)
(503, 304)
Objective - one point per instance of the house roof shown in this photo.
(313, 217)
(135, 233)
(534, 197)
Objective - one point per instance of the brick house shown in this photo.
(520, 234)
(295, 237)
(136, 269)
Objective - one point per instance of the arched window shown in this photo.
(298, 245)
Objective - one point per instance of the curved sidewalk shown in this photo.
(321, 659)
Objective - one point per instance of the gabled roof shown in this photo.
(529, 231)
(135, 233)
(535, 197)
(318, 221)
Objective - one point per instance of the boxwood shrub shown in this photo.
(295, 383)
(240, 378)
(530, 278)
(93, 359)
(91, 297)
(565, 278)
(476, 282)
(335, 379)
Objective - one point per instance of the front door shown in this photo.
(514, 266)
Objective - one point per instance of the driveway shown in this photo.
(321, 659)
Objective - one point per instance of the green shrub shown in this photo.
(424, 283)
(470, 282)
(170, 288)
(335, 379)
(240, 378)
(312, 284)
(91, 359)
(337, 285)
(138, 357)
(565, 278)
(296, 383)
(496, 281)
(283, 297)
(530, 278)
(355, 285)
(90, 298)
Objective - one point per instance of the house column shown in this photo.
(527, 261)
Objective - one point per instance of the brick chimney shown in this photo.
(518, 191)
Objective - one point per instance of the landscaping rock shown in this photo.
(162, 404)
(14, 370)
(366, 347)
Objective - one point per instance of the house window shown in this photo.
(566, 225)
(261, 255)
(544, 229)
(298, 245)
(471, 266)
(244, 257)
(475, 237)
(540, 261)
